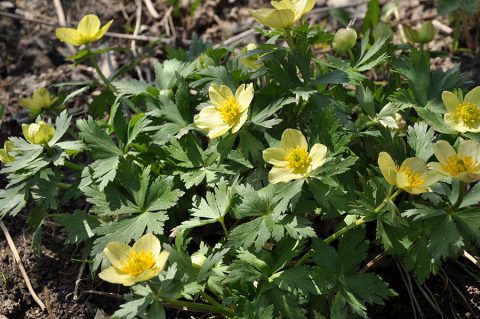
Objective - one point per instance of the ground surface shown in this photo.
(31, 57)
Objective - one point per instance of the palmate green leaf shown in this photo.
(468, 224)
(420, 137)
(261, 118)
(128, 229)
(78, 225)
(299, 279)
(103, 149)
(165, 73)
(213, 207)
(131, 87)
(133, 308)
(62, 123)
(445, 240)
(13, 199)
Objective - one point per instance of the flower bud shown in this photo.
(400, 121)
(344, 40)
(167, 92)
(421, 35)
(38, 133)
(250, 61)
(198, 259)
(5, 157)
(204, 61)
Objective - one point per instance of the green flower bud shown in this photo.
(344, 40)
(38, 133)
(167, 92)
(204, 61)
(421, 35)
(198, 259)
(250, 61)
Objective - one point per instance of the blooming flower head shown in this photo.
(5, 157)
(39, 101)
(227, 111)
(284, 14)
(88, 30)
(134, 264)
(463, 165)
(38, 133)
(292, 160)
(463, 115)
(412, 176)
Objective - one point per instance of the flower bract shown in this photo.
(5, 156)
(38, 133)
(463, 114)
(87, 31)
(284, 13)
(412, 176)
(130, 265)
(463, 165)
(292, 159)
(227, 111)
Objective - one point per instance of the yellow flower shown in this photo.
(463, 115)
(88, 30)
(412, 176)
(292, 160)
(134, 264)
(38, 133)
(284, 14)
(5, 157)
(227, 112)
(463, 165)
(40, 100)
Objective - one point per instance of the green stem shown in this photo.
(63, 185)
(73, 166)
(210, 299)
(191, 306)
(225, 230)
(347, 228)
(289, 39)
(461, 195)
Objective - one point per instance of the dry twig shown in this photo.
(474, 260)
(151, 10)
(51, 315)
(16, 256)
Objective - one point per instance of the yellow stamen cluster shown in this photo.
(298, 158)
(414, 178)
(138, 262)
(230, 111)
(468, 112)
(455, 165)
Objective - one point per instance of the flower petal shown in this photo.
(209, 119)
(443, 150)
(29, 104)
(450, 120)
(244, 96)
(415, 164)
(451, 101)
(89, 26)
(162, 260)
(318, 153)
(469, 148)
(437, 167)
(117, 253)
(292, 138)
(219, 94)
(387, 167)
(102, 31)
(282, 174)
(69, 35)
(276, 19)
(240, 122)
(148, 243)
(473, 96)
(275, 156)
(114, 276)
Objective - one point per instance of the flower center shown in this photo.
(138, 262)
(298, 158)
(468, 112)
(455, 165)
(414, 178)
(230, 111)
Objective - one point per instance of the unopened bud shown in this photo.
(344, 40)
(198, 259)
(424, 34)
(401, 123)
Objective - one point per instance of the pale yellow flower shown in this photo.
(463, 115)
(463, 165)
(39, 101)
(284, 14)
(292, 160)
(227, 112)
(5, 156)
(38, 133)
(412, 176)
(134, 264)
(87, 31)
